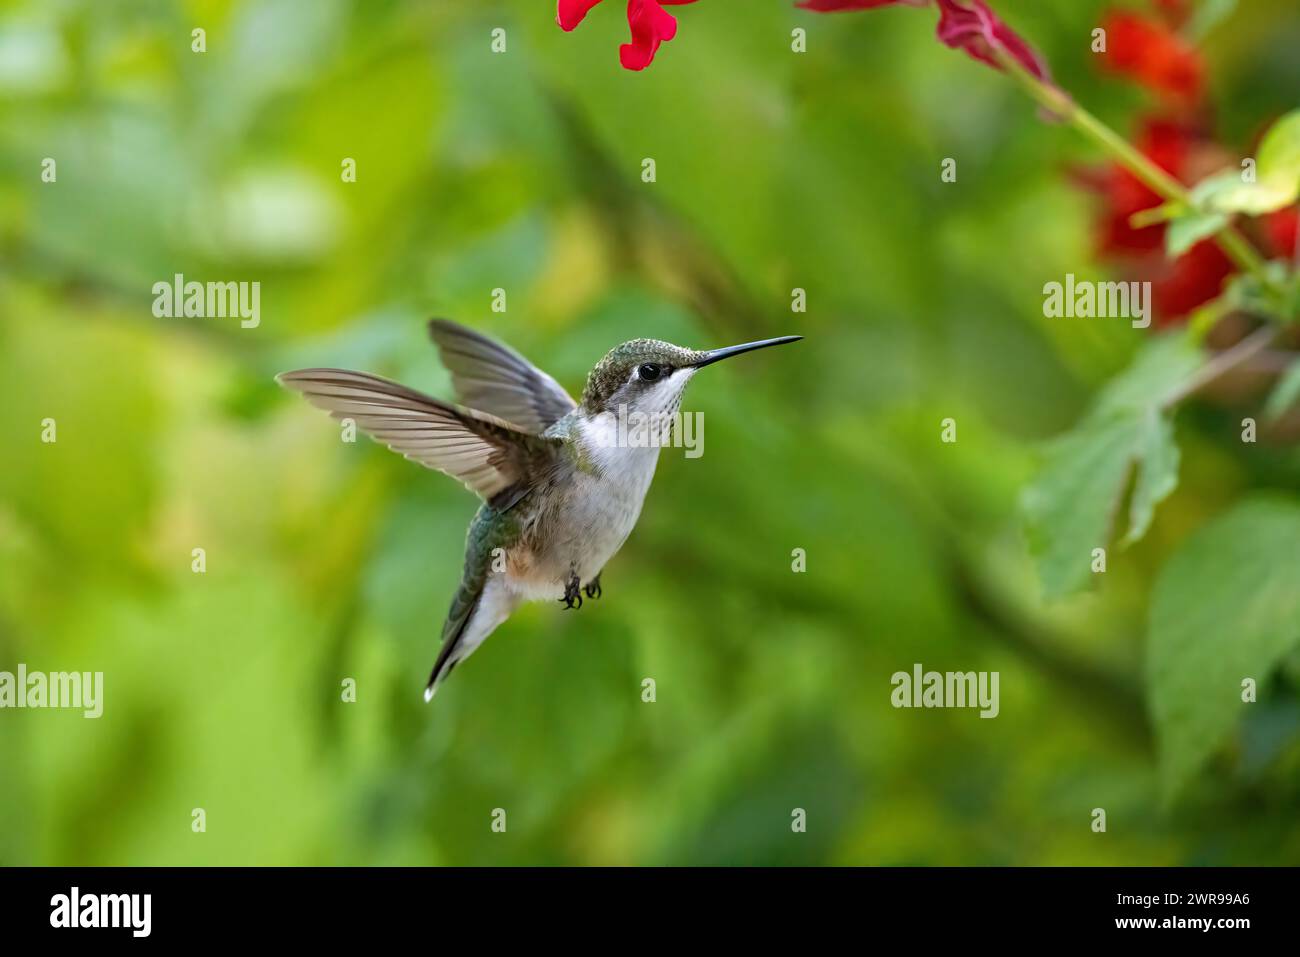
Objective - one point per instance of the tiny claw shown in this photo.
(593, 588)
(572, 594)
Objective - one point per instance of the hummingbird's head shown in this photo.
(649, 375)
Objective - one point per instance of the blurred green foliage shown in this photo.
(520, 171)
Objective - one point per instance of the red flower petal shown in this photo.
(979, 32)
(1197, 276)
(569, 13)
(1167, 144)
(1155, 56)
(1190, 281)
(1283, 229)
(651, 25)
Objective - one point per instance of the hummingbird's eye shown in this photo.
(649, 372)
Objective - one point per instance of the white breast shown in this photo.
(607, 499)
(624, 469)
(587, 520)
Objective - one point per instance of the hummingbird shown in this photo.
(562, 487)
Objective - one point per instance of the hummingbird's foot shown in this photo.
(572, 594)
(593, 588)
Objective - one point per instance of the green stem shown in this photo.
(1060, 104)
(1223, 362)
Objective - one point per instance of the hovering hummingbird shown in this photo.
(560, 491)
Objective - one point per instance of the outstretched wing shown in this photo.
(492, 457)
(493, 377)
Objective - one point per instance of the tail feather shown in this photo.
(482, 601)
(463, 607)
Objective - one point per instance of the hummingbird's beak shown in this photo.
(714, 355)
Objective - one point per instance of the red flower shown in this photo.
(1282, 228)
(975, 29)
(1197, 276)
(570, 13)
(963, 25)
(1154, 55)
(1190, 281)
(649, 22)
(1168, 145)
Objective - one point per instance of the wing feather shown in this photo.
(491, 376)
(490, 455)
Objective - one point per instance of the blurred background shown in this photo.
(521, 171)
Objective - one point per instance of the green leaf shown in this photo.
(1161, 366)
(1245, 292)
(1187, 230)
(1227, 191)
(1157, 214)
(1226, 607)
(1279, 152)
(1158, 476)
(1070, 507)
(1277, 176)
(1285, 393)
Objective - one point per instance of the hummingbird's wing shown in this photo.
(491, 376)
(491, 456)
